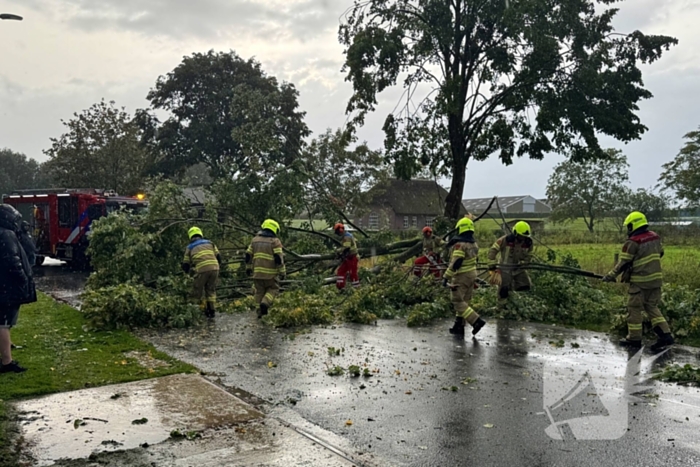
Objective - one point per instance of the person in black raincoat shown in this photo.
(16, 283)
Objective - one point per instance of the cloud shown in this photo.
(269, 20)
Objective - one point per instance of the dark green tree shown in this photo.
(17, 171)
(100, 149)
(224, 111)
(513, 78)
(682, 175)
(656, 206)
(588, 189)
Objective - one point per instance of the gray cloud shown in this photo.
(180, 19)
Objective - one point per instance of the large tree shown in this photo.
(682, 175)
(656, 206)
(225, 112)
(515, 78)
(588, 189)
(17, 171)
(100, 149)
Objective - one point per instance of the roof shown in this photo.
(196, 195)
(479, 204)
(411, 197)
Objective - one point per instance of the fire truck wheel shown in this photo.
(40, 260)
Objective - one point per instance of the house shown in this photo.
(509, 205)
(403, 205)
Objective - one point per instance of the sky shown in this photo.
(68, 54)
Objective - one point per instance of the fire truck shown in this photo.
(60, 219)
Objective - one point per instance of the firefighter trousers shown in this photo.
(514, 281)
(265, 291)
(204, 289)
(640, 301)
(347, 268)
(462, 289)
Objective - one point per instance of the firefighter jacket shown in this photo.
(348, 246)
(511, 250)
(202, 256)
(431, 245)
(265, 256)
(640, 260)
(463, 259)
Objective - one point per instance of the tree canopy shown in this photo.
(226, 112)
(518, 78)
(18, 172)
(682, 175)
(589, 188)
(100, 149)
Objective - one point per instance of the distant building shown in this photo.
(509, 205)
(403, 205)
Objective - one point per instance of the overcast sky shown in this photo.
(69, 54)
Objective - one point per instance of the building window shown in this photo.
(359, 222)
(405, 222)
(429, 222)
(415, 222)
(374, 221)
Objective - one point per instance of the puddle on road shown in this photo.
(76, 424)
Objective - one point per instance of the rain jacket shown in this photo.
(265, 256)
(16, 281)
(640, 260)
(464, 255)
(512, 251)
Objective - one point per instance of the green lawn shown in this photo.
(62, 356)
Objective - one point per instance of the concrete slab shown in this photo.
(77, 424)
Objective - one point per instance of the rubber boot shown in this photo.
(478, 324)
(262, 311)
(631, 344)
(458, 328)
(211, 311)
(664, 340)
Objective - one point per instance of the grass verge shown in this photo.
(62, 355)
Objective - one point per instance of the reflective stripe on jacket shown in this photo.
(467, 252)
(511, 251)
(640, 261)
(262, 253)
(201, 255)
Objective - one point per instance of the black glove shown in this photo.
(248, 272)
(282, 277)
(493, 267)
(608, 279)
(444, 282)
(186, 267)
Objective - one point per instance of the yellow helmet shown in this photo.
(635, 221)
(195, 231)
(270, 224)
(522, 228)
(465, 225)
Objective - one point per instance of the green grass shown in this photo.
(53, 338)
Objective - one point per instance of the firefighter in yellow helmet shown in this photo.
(265, 261)
(640, 266)
(515, 250)
(461, 274)
(202, 257)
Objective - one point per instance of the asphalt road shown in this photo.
(434, 400)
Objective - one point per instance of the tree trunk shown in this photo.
(453, 202)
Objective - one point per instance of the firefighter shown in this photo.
(347, 253)
(431, 255)
(203, 257)
(265, 261)
(461, 274)
(515, 250)
(640, 266)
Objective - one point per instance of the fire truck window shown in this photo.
(95, 212)
(64, 216)
(73, 211)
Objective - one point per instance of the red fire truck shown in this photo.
(60, 218)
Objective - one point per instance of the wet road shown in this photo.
(434, 400)
(59, 281)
